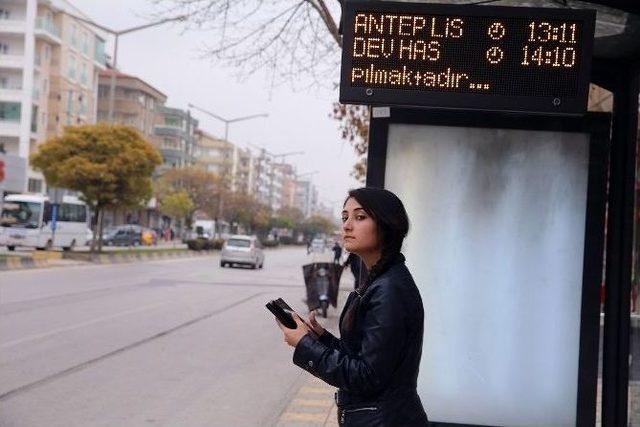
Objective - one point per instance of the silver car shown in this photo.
(242, 250)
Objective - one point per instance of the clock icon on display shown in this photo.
(496, 31)
(494, 55)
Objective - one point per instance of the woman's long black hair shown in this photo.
(392, 224)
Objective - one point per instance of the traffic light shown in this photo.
(1, 170)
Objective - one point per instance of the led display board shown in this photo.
(467, 57)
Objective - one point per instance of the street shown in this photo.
(165, 343)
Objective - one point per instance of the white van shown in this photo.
(26, 221)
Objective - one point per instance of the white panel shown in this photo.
(496, 247)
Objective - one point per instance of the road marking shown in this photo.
(80, 325)
(27, 387)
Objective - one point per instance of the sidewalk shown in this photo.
(313, 404)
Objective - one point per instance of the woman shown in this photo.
(375, 363)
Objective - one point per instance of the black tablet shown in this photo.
(283, 312)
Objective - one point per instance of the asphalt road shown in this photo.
(165, 343)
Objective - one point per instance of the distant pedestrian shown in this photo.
(308, 246)
(337, 252)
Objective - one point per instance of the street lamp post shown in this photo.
(227, 122)
(117, 34)
(234, 166)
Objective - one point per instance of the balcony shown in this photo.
(165, 130)
(9, 26)
(10, 127)
(12, 61)
(11, 93)
(48, 30)
(172, 154)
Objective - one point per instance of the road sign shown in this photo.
(467, 57)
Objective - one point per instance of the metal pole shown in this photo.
(619, 262)
(112, 89)
(226, 131)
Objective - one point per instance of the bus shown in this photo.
(25, 221)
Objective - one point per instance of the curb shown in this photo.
(22, 263)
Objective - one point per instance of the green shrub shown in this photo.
(217, 243)
(270, 243)
(195, 244)
(286, 240)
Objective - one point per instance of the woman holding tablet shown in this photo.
(374, 364)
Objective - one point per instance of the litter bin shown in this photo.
(321, 279)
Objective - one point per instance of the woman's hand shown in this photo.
(317, 328)
(293, 336)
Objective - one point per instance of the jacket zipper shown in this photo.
(370, 408)
(345, 411)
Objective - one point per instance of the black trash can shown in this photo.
(322, 280)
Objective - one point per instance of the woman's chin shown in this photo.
(349, 245)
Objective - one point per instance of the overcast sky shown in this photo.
(171, 61)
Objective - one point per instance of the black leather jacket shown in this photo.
(375, 364)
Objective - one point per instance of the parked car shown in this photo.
(123, 235)
(242, 250)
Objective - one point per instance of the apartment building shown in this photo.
(135, 102)
(214, 154)
(174, 135)
(243, 171)
(288, 175)
(306, 197)
(49, 63)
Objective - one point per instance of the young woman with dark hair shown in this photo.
(375, 363)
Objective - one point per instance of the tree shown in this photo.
(110, 165)
(317, 224)
(354, 127)
(177, 204)
(290, 38)
(205, 189)
(240, 208)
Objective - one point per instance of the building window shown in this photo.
(85, 45)
(47, 51)
(10, 111)
(173, 121)
(69, 102)
(83, 74)
(74, 39)
(4, 14)
(71, 71)
(103, 91)
(35, 185)
(4, 48)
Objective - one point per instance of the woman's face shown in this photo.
(359, 231)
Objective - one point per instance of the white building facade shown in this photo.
(49, 62)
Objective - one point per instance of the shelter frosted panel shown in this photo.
(496, 247)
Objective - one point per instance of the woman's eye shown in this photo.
(360, 217)
(344, 219)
